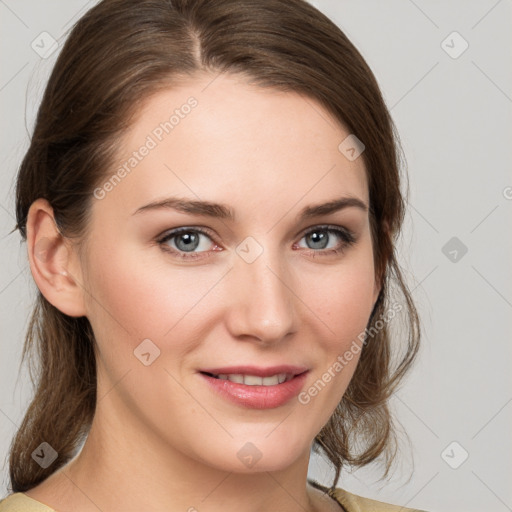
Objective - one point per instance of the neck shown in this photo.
(118, 469)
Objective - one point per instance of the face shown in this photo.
(243, 271)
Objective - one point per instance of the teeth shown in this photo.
(254, 380)
(236, 378)
(271, 381)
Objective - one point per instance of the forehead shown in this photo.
(216, 137)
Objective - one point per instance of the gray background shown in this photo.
(453, 110)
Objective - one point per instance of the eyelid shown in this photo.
(169, 233)
(349, 234)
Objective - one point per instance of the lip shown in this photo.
(257, 397)
(257, 370)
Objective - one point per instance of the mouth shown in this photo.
(253, 380)
(256, 388)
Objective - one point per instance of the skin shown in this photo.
(161, 439)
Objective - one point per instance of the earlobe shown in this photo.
(53, 262)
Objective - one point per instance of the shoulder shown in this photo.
(354, 503)
(20, 502)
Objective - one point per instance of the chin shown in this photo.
(255, 454)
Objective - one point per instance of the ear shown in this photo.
(54, 264)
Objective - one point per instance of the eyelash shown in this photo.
(347, 239)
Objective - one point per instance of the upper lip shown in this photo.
(256, 370)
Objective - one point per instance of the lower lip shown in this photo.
(257, 397)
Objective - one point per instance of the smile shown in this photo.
(254, 380)
(255, 391)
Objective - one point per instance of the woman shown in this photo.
(210, 202)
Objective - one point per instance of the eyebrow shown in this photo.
(222, 211)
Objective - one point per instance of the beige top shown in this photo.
(20, 502)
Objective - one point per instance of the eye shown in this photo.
(187, 242)
(191, 243)
(327, 239)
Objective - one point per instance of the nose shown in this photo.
(262, 305)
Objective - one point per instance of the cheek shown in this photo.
(341, 301)
(136, 297)
(342, 297)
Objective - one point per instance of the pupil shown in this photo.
(187, 241)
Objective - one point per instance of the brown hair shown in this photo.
(117, 55)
